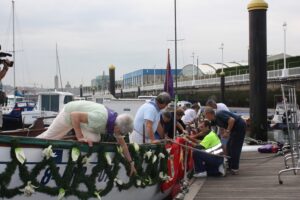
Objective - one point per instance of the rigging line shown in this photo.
(7, 33)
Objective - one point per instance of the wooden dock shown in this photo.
(257, 180)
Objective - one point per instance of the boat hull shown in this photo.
(44, 179)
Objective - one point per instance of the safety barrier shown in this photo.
(292, 120)
(271, 75)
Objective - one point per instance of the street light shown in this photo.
(222, 48)
(193, 56)
(284, 49)
(222, 78)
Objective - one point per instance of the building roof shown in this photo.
(277, 57)
(189, 69)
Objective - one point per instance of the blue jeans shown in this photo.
(207, 162)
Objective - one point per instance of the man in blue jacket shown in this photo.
(235, 130)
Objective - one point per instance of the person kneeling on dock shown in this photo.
(207, 160)
(89, 120)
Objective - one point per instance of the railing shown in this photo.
(271, 75)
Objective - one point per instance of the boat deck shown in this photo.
(257, 180)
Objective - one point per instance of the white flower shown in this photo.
(148, 154)
(86, 161)
(136, 147)
(118, 181)
(61, 194)
(163, 176)
(75, 154)
(168, 150)
(48, 152)
(138, 182)
(154, 159)
(97, 194)
(120, 150)
(20, 155)
(161, 155)
(29, 189)
(108, 158)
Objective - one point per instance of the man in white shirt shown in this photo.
(218, 106)
(190, 115)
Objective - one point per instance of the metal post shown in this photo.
(14, 47)
(112, 88)
(258, 68)
(154, 81)
(175, 31)
(222, 76)
(193, 56)
(284, 71)
(222, 48)
(197, 67)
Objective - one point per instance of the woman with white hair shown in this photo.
(89, 120)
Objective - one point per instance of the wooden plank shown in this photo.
(257, 180)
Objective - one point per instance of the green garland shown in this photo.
(74, 173)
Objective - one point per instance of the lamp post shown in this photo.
(193, 56)
(154, 80)
(222, 76)
(284, 72)
(222, 49)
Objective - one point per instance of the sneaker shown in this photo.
(222, 170)
(200, 175)
(234, 171)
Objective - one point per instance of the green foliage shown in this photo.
(74, 173)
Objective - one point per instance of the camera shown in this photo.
(2, 61)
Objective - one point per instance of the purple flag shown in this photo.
(168, 87)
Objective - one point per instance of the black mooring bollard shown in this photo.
(258, 68)
(112, 89)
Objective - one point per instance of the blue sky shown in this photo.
(132, 34)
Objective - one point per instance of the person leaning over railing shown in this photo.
(89, 120)
(165, 127)
(147, 118)
(206, 162)
(235, 130)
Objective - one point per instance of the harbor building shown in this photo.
(144, 77)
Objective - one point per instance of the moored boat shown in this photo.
(52, 169)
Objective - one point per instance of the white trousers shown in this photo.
(59, 128)
(135, 137)
(1, 117)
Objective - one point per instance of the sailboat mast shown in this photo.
(175, 18)
(58, 67)
(14, 48)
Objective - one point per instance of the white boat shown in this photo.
(25, 169)
(48, 106)
(280, 118)
(10, 104)
(129, 106)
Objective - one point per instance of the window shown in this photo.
(68, 98)
(50, 103)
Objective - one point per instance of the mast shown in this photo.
(58, 67)
(175, 31)
(14, 47)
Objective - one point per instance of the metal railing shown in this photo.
(292, 122)
(273, 74)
